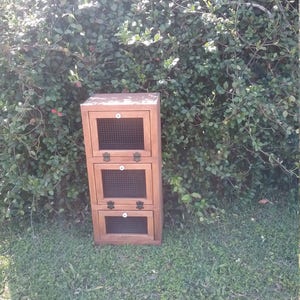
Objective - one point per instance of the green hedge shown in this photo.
(227, 72)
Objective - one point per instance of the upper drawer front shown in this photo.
(120, 133)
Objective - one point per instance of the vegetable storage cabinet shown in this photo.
(123, 154)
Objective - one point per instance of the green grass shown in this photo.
(251, 254)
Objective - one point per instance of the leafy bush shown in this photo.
(227, 73)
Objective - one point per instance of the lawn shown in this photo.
(250, 254)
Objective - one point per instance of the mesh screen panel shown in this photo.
(124, 184)
(135, 225)
(120, 134)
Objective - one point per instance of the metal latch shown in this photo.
(136, 156)
(106, 156)
(110, 204)
(139, 204)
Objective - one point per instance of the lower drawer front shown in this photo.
(125, 226)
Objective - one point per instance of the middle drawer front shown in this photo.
(123, 184)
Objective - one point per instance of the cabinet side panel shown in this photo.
(86, 132)
(96, 227)
(158, 225)
(92, 186)
(155, 131)
(88, 151)
(157, 170)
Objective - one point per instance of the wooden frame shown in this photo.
(125, 237)
(141, 158)
(101, 199)
(144, 115)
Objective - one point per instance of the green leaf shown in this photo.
(196, 195)
(186, 198)
(157, 37)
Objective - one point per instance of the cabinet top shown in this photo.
(123, 99)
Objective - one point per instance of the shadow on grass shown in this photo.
(252, 254)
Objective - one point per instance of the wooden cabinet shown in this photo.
(123, 155)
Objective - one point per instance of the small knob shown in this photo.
(118, 116)
(122, 168)
(124, 215)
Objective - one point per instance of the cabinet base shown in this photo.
(128, 242)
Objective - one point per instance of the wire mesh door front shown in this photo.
(120, 134)
(126, 223)
(123, 184)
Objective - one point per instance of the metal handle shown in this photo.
(106, 156)
(139, 204)
(136, 156)
(118, 116)
(124, 215)
(110, 204)
(122, 168)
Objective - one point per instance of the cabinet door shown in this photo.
(123, 184)
(120, 133)
(126, 226)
